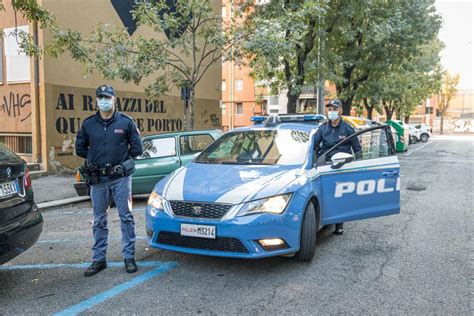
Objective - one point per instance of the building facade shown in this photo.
(50, 104)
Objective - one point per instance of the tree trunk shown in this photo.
(191, 109)
(346, 106)
(368, 108)
(292, 101)
(441, 126)
(407, 119)
(388, 110)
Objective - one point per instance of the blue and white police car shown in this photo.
(262, 191)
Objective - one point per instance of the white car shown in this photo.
(425, 131)
(414, 135)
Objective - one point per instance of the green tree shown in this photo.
(194, 42)
(448, 92)
(367, 39)
(284, 33)
(404, 86)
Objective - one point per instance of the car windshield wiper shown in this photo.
(244, 163)
(202, 161)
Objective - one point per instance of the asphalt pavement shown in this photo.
(418, 262)
(54, 187)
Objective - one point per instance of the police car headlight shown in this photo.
(156, 203)
(273, 205)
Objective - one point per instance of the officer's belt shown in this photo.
(107, 171)
(103, 171)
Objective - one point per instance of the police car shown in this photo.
(262, 191)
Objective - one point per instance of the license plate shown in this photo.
(8, 188)
(204, 231)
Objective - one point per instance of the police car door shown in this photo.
(360, 187)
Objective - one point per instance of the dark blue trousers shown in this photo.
(120, 190)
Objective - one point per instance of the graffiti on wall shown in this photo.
(66, 124)
(15, 106)
(455, 125)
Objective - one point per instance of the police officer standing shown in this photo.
(109, 140)
(333, 132)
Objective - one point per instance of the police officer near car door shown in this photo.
(109, 140)
(333, 132)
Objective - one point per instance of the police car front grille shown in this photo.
(199, 210)
(227, 244)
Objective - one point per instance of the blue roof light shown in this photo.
(257, 119)
(314, 117)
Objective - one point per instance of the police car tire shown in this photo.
(424, 137)
(414, 140)
(308, 235)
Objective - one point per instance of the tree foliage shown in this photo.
(405, 86)
(284, 34)
(371, 40)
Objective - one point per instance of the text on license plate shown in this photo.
(204, 231)
(8, 188)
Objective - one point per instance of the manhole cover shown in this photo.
(416, 188)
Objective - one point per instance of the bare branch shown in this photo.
(180, 70)
(207, 67)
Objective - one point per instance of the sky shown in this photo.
(457, 33)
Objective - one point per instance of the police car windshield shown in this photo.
(258, 147)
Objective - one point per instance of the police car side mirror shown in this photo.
(339, 159)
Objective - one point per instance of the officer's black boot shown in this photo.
(339, 229)
(95, 268)
(130, 265)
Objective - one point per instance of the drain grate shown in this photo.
(416, 188)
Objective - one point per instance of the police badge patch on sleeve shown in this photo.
(119, 131)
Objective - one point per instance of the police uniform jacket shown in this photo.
(109, 141)
(327, 136)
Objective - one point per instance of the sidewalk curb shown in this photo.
(46, 205)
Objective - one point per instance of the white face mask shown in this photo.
(333, 115)
(105, 104)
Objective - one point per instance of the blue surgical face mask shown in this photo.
(333, 115)
(105, 104)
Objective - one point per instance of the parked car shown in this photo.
(163, 153)
(424, 131)
(414, 134)
(21, 222)
(262, 191)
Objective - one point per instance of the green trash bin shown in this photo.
(402, 135)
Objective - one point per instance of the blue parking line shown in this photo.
(100, 298)
(58, 241)
(147, 264)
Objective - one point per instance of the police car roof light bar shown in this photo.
(276, 118)
(273, 119)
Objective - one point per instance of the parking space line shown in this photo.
(147, 264)
(413, 151)
(58, 241)
(102, 297)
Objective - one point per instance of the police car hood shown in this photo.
(222, 183)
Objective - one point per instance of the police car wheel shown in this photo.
(308, 235)
(424, 137)
(414, 140)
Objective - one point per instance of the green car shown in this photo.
(163, 154)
